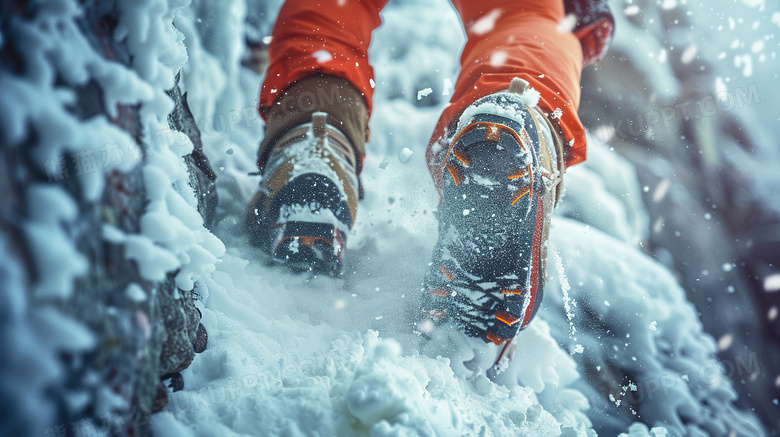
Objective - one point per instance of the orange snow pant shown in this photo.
(506, 39)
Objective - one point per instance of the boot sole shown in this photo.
(309, 247)
(491, 217)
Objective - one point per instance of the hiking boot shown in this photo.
(308, 195)
(307, 200)
(501, 174)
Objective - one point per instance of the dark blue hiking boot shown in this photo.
(500, 179)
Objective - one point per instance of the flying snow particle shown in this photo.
(423, 93)
(689, 54)
(669, 4)
(746, 62)
(772, 313)
(135, 293)
(653, 325)
(725, 341)
(497, 59)
(567, 23)
(631, 10)
(661, 190)
(425, 326)
(340, 304)
(757, 46)
(486, 23)
(568, 302)
(658, 225)
(405, 154)
(322, 56)
(447, 88)
(558, 113)
(578, 349)
(772, 283)
(754, 3)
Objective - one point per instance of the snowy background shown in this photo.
(653, 323)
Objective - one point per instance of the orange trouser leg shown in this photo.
(326, 36)
(518, 38)
(506, 39)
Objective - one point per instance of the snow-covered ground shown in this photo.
(295, 355)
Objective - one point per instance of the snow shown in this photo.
(772, 283)
(322, 56)
(568, 23)
(312, 213)
(405, 155)
(568, 302)
(486, 23)
(530, 97)
(301, 355)
(498, 58)
(490, 107)
(340, 357)
(631, 10)
(60, 262)
(32, 339)
(423, 93)
(689, 54)
(135, 293)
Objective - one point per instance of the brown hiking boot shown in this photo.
(309, 162)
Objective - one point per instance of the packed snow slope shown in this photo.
(297, 355)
